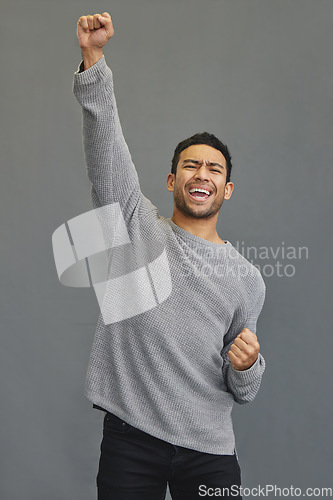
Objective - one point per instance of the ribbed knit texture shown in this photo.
(166, 371)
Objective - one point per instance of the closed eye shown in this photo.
(188, 165)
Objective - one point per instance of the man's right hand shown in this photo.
(93, 33)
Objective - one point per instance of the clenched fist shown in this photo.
(93, 33)
(244, 350)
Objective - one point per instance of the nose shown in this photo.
(202, 173)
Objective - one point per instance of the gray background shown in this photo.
(258, 74)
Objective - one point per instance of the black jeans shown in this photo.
(137, 466)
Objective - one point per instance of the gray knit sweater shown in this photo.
(165, 370)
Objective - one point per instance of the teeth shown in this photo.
(199, 190)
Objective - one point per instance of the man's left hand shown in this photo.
(244, 350)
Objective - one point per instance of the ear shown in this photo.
(170, 182)
(228, 189)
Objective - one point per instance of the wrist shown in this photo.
(245, 367)
(91, 56)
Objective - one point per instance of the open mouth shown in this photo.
(199, 194)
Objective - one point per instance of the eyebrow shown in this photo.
(197, 162)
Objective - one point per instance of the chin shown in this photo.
(200, 214)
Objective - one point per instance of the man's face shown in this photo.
(199, 186)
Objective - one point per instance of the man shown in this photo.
(167, 377)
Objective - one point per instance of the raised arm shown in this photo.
(109, 163)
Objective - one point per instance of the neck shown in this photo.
(201, 227)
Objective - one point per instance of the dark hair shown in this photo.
(203, 138)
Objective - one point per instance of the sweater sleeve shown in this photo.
(244, 384)
(109, 163)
